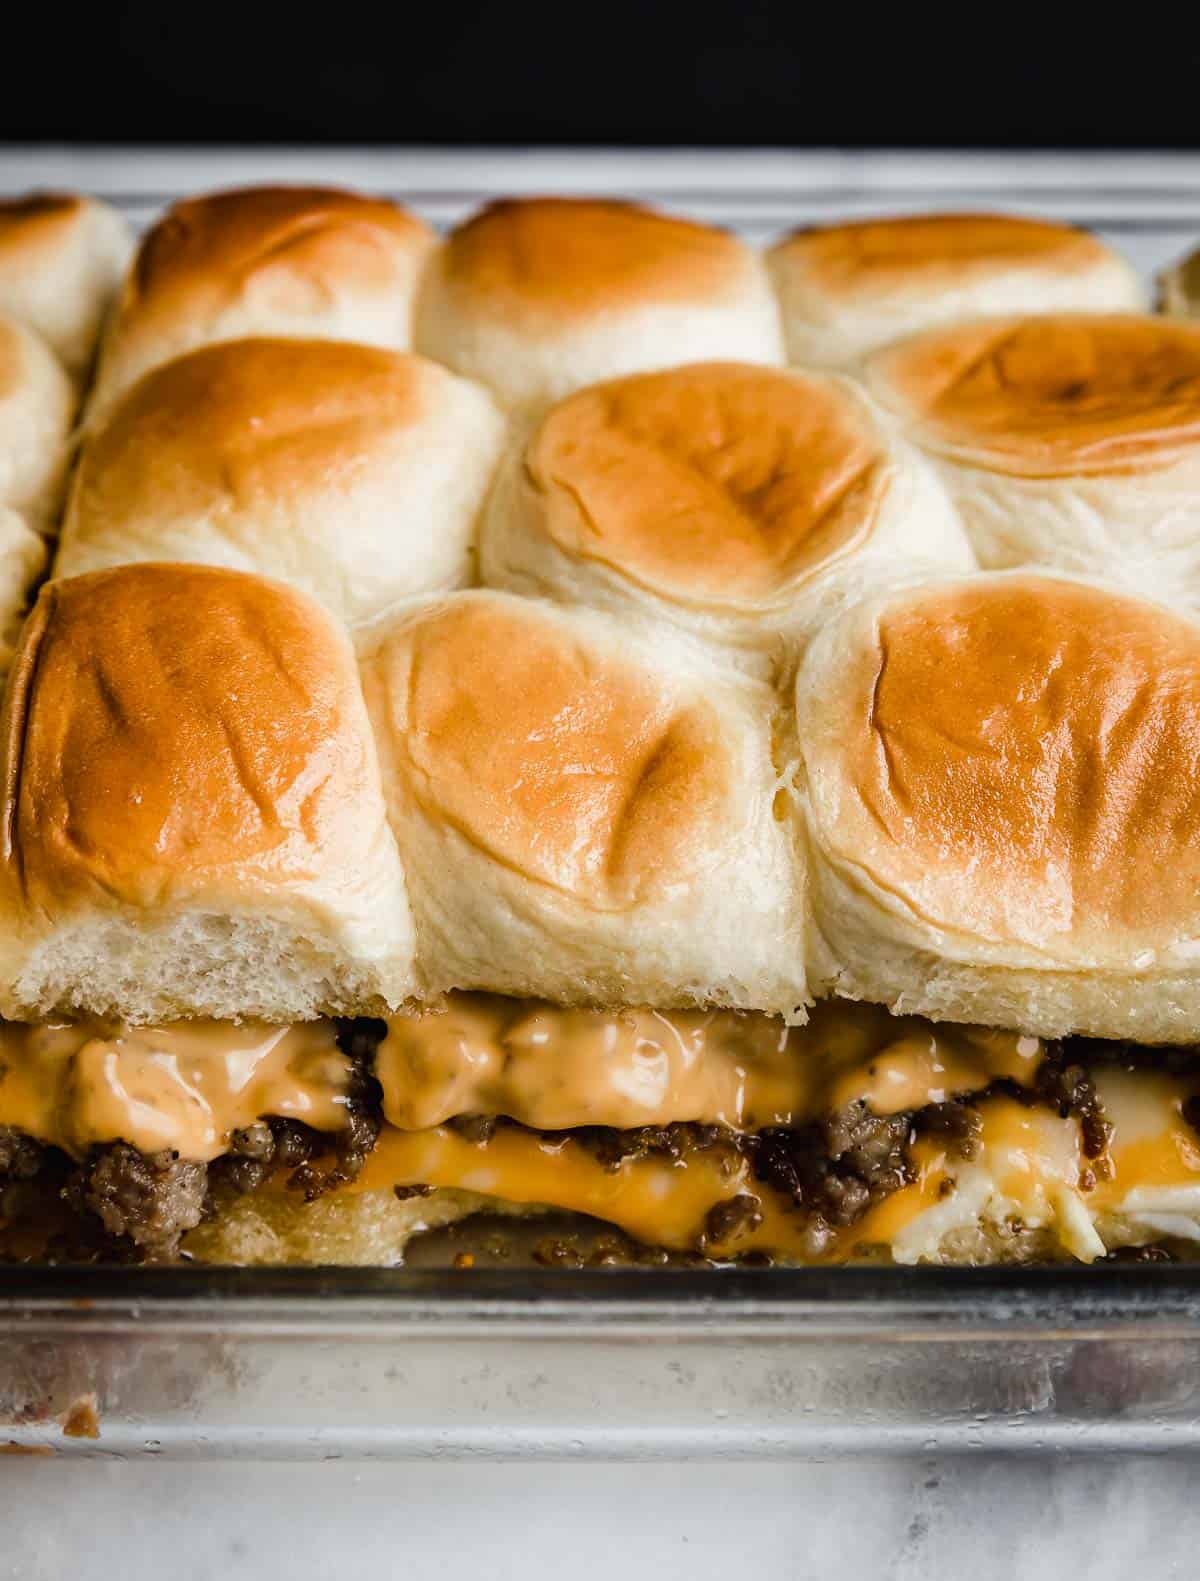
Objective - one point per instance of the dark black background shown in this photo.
(599, 73)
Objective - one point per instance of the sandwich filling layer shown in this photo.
(715, 1133)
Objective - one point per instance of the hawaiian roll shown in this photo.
(194, 822)
(350, 472)
(736, 502)
(61, 260)
(1000, 779)
(538, 296)
(1065, 441)
(583, 816)
(845, 290)
(37, 406)
(311, 261)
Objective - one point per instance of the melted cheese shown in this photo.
(1030, 1172)
(654, 1200)
(555, 1069)
(185, 1087)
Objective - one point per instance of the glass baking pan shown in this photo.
(607, 1364)
(604, 1363)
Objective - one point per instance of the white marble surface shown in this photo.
(974, 1517)
(984, 1519)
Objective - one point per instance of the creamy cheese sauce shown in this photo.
(555, 1069)
(186, 1086)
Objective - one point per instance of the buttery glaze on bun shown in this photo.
(847, 289)
(1067, 441)
(193, 820)
(581, 816)
(722, 498)
(535, 297)
(350, 472)
(311, 261)
(61, 260)
(1001, 779)
(37, 405)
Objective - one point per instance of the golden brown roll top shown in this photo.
(311, 261)
(193, 821)
(1001, 779)
(61, 260)
(584, 817)
(538, 296)
(719, 497)
(1046, 397)
(1069, 440)
(847, 289)
(353, 473)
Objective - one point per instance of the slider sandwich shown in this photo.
(426, 794)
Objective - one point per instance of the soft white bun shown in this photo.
(845, 290)
(363, 1229)
(350, 472)
(311, 261)
(193, 818)
(1070, 441)
(37, 405)
(1001, 784)
(538, 296)
(61, 260)
(736, 502)
(582, 816)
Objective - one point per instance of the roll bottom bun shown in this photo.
(352, 473)
(738, 504)
(1070, 441)
(1000, 779)
(583, 817)
(193, 818)
(536, 297)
